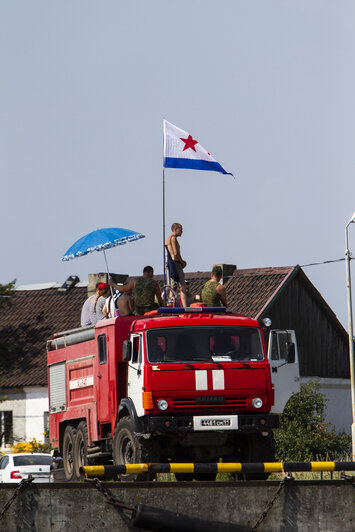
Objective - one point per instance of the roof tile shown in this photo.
(35, 315)
(32, 318)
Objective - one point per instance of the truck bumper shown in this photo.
(184, 423)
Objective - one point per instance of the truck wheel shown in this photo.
(68, 452)
(189, 477)
(129, 449)
(80, 451)
(210, 477)
(184, 477)
(260, 449)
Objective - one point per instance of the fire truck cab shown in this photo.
(183, 385)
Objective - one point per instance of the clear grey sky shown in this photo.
(266, 86)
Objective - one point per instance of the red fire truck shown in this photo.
(178, 384)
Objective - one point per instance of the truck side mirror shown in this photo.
(126, 351)
(291, 353)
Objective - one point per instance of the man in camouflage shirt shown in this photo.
(213, 294)
(145, 290)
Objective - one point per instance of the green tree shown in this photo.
(303, 434)
(6, 291)
(6, 346)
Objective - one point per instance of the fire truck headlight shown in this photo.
(257, 402)
(162, 404)
(267, 322)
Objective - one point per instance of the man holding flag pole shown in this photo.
(181, 150)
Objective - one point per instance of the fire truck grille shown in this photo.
(206, 402)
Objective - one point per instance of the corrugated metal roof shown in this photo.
(38, 286)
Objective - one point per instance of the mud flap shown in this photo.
(159, 520)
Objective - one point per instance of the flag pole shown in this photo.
(164, 226)
(108, 273)
(164, 213)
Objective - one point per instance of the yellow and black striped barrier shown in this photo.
(230, 467)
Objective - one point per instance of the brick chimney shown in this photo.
(102, 277)
(227, 271)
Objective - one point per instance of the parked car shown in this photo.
(57, 470)
(17, 466)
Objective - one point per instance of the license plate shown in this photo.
(215, 422)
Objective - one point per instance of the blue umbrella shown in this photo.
(100, 240)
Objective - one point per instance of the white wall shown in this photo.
(36, 405)
(338, 395)
(15, 402)
(28, 406)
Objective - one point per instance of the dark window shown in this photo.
(284, 339)
(6, 428)
(4, 462)
(135, 353)
(101, 344)
(157, 349)
(227, 344)
(32, 459)
(280, 340)
(46, 426)
(274, 347)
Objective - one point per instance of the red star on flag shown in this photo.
(189, 143)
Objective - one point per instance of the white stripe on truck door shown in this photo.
(201, 379)
(218, 379)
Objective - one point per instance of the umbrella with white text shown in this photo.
(100, 240)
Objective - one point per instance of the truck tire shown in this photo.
(129, 449)
(260, 449)
(207, 477)
(80, 451)
(189, 477)
(184, 477)
(68, 452)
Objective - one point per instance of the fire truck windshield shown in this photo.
(203, 344)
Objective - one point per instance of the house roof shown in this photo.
(32, 318)
(249, 290)
(36, 314)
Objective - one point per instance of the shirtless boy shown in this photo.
(174, 250)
